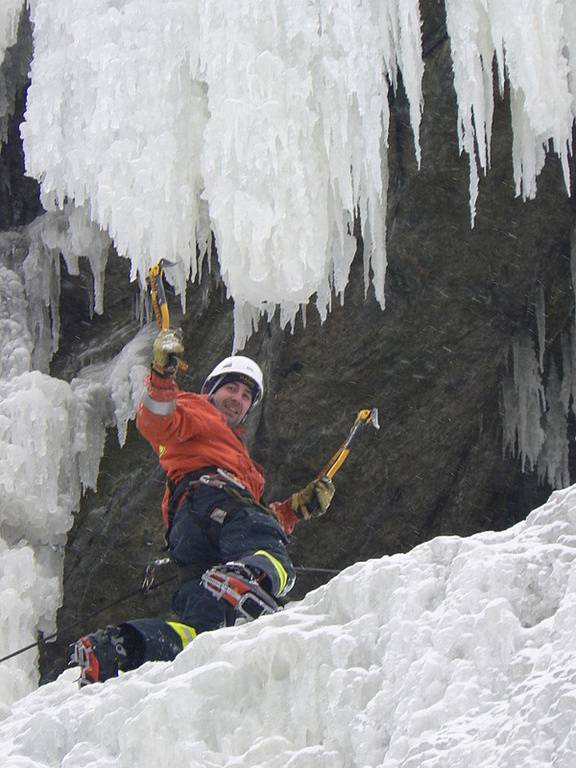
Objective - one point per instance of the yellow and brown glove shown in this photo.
(166, 352)
(314, 499)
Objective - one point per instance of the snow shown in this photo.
(460, 652)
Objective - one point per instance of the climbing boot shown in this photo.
(240, 587)
(99, 655)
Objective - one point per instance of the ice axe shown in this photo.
(155, 282)
(364, 418)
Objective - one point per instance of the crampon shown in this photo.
(97, 655)
(238, 587)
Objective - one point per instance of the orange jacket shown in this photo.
(192, 434)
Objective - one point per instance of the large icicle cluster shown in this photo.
(267, 123)
(275, 115)
(534, 44)
(51, 433)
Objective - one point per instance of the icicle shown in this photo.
(112, 391)
(534, 419)
(567, 370)
(9, 18)
(15, 340)
(534, 45)
(523, 405)
(552, 463)
(13, 73)
(69, 234)
(273, 117)
(573, 259)
(541, 324)
(468, 26)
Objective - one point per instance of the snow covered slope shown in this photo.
(459, 653)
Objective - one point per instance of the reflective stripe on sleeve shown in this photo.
(280, 570)
(157, 407)
(185, 632)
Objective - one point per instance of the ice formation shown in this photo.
(459, 653)
(268, 124)
(271, 118)
(13, 65)
(11, 10)
(524, 403)
(534, 45)
(65, 423)
(536, 410)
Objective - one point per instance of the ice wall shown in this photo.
(51, 432)
(266, 122)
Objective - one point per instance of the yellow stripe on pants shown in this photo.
(185, 632)
(281, 571)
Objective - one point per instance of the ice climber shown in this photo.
(230, 548)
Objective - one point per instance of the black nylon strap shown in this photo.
(181, 489)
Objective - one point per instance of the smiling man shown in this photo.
(229, 546)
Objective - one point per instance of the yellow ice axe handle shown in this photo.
(364, 417)
(160, 305)
(336, 464)
(158, 296)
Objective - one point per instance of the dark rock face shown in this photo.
(432, 362)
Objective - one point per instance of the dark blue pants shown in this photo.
(203, 534)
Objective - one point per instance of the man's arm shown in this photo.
(157, 418)
(156, 411)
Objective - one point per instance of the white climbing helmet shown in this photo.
(238, 367)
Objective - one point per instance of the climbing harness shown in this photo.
(215, 477)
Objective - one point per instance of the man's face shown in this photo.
(233, 400)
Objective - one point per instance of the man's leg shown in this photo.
(103, 653)
(255, 539)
